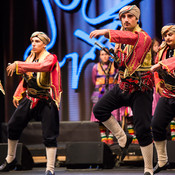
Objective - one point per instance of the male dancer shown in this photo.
(37, 96)
(164, 74)
(135, 83)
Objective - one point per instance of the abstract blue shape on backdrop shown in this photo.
(109, 15)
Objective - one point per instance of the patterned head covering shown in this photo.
(42, 36)
(131, 9)
(166, 28)
(169, 27)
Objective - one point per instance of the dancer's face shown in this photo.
(170, 38)
(129, 21)
(37, 45)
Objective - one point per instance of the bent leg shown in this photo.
(112, 100)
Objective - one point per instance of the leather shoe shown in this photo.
(125, 149)
(147, 173)
(49, 173)
(8, 166)
(158, 169)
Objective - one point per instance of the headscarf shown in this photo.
(168, 27)
(42, 36)
(133, 9)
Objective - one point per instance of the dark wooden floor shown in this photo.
(65, 171)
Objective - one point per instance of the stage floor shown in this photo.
(64, 171)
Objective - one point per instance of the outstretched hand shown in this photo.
(11, 69)
(96, 33)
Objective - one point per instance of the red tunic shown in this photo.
(141, 42)
(135, 57)
(48, 64)
(168, 65)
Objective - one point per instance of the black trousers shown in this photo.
(45, 112)
(141, 105)
(164, 113)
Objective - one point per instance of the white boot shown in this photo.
(116, 129)
(11, 153)
(51, 157)
(161, 148)
(147, 153)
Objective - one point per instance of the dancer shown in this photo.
(37, 96)
(103, 77)
(164, 74)
(135, 84)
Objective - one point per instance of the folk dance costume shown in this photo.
(103, 79)
(164, 113)
(134, 88)
(39, 94)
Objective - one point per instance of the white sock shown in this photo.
(147, 153)
(116, 129)
(51, 157)
(11, 153)
(161, 148)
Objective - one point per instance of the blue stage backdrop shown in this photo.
(68, 24)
